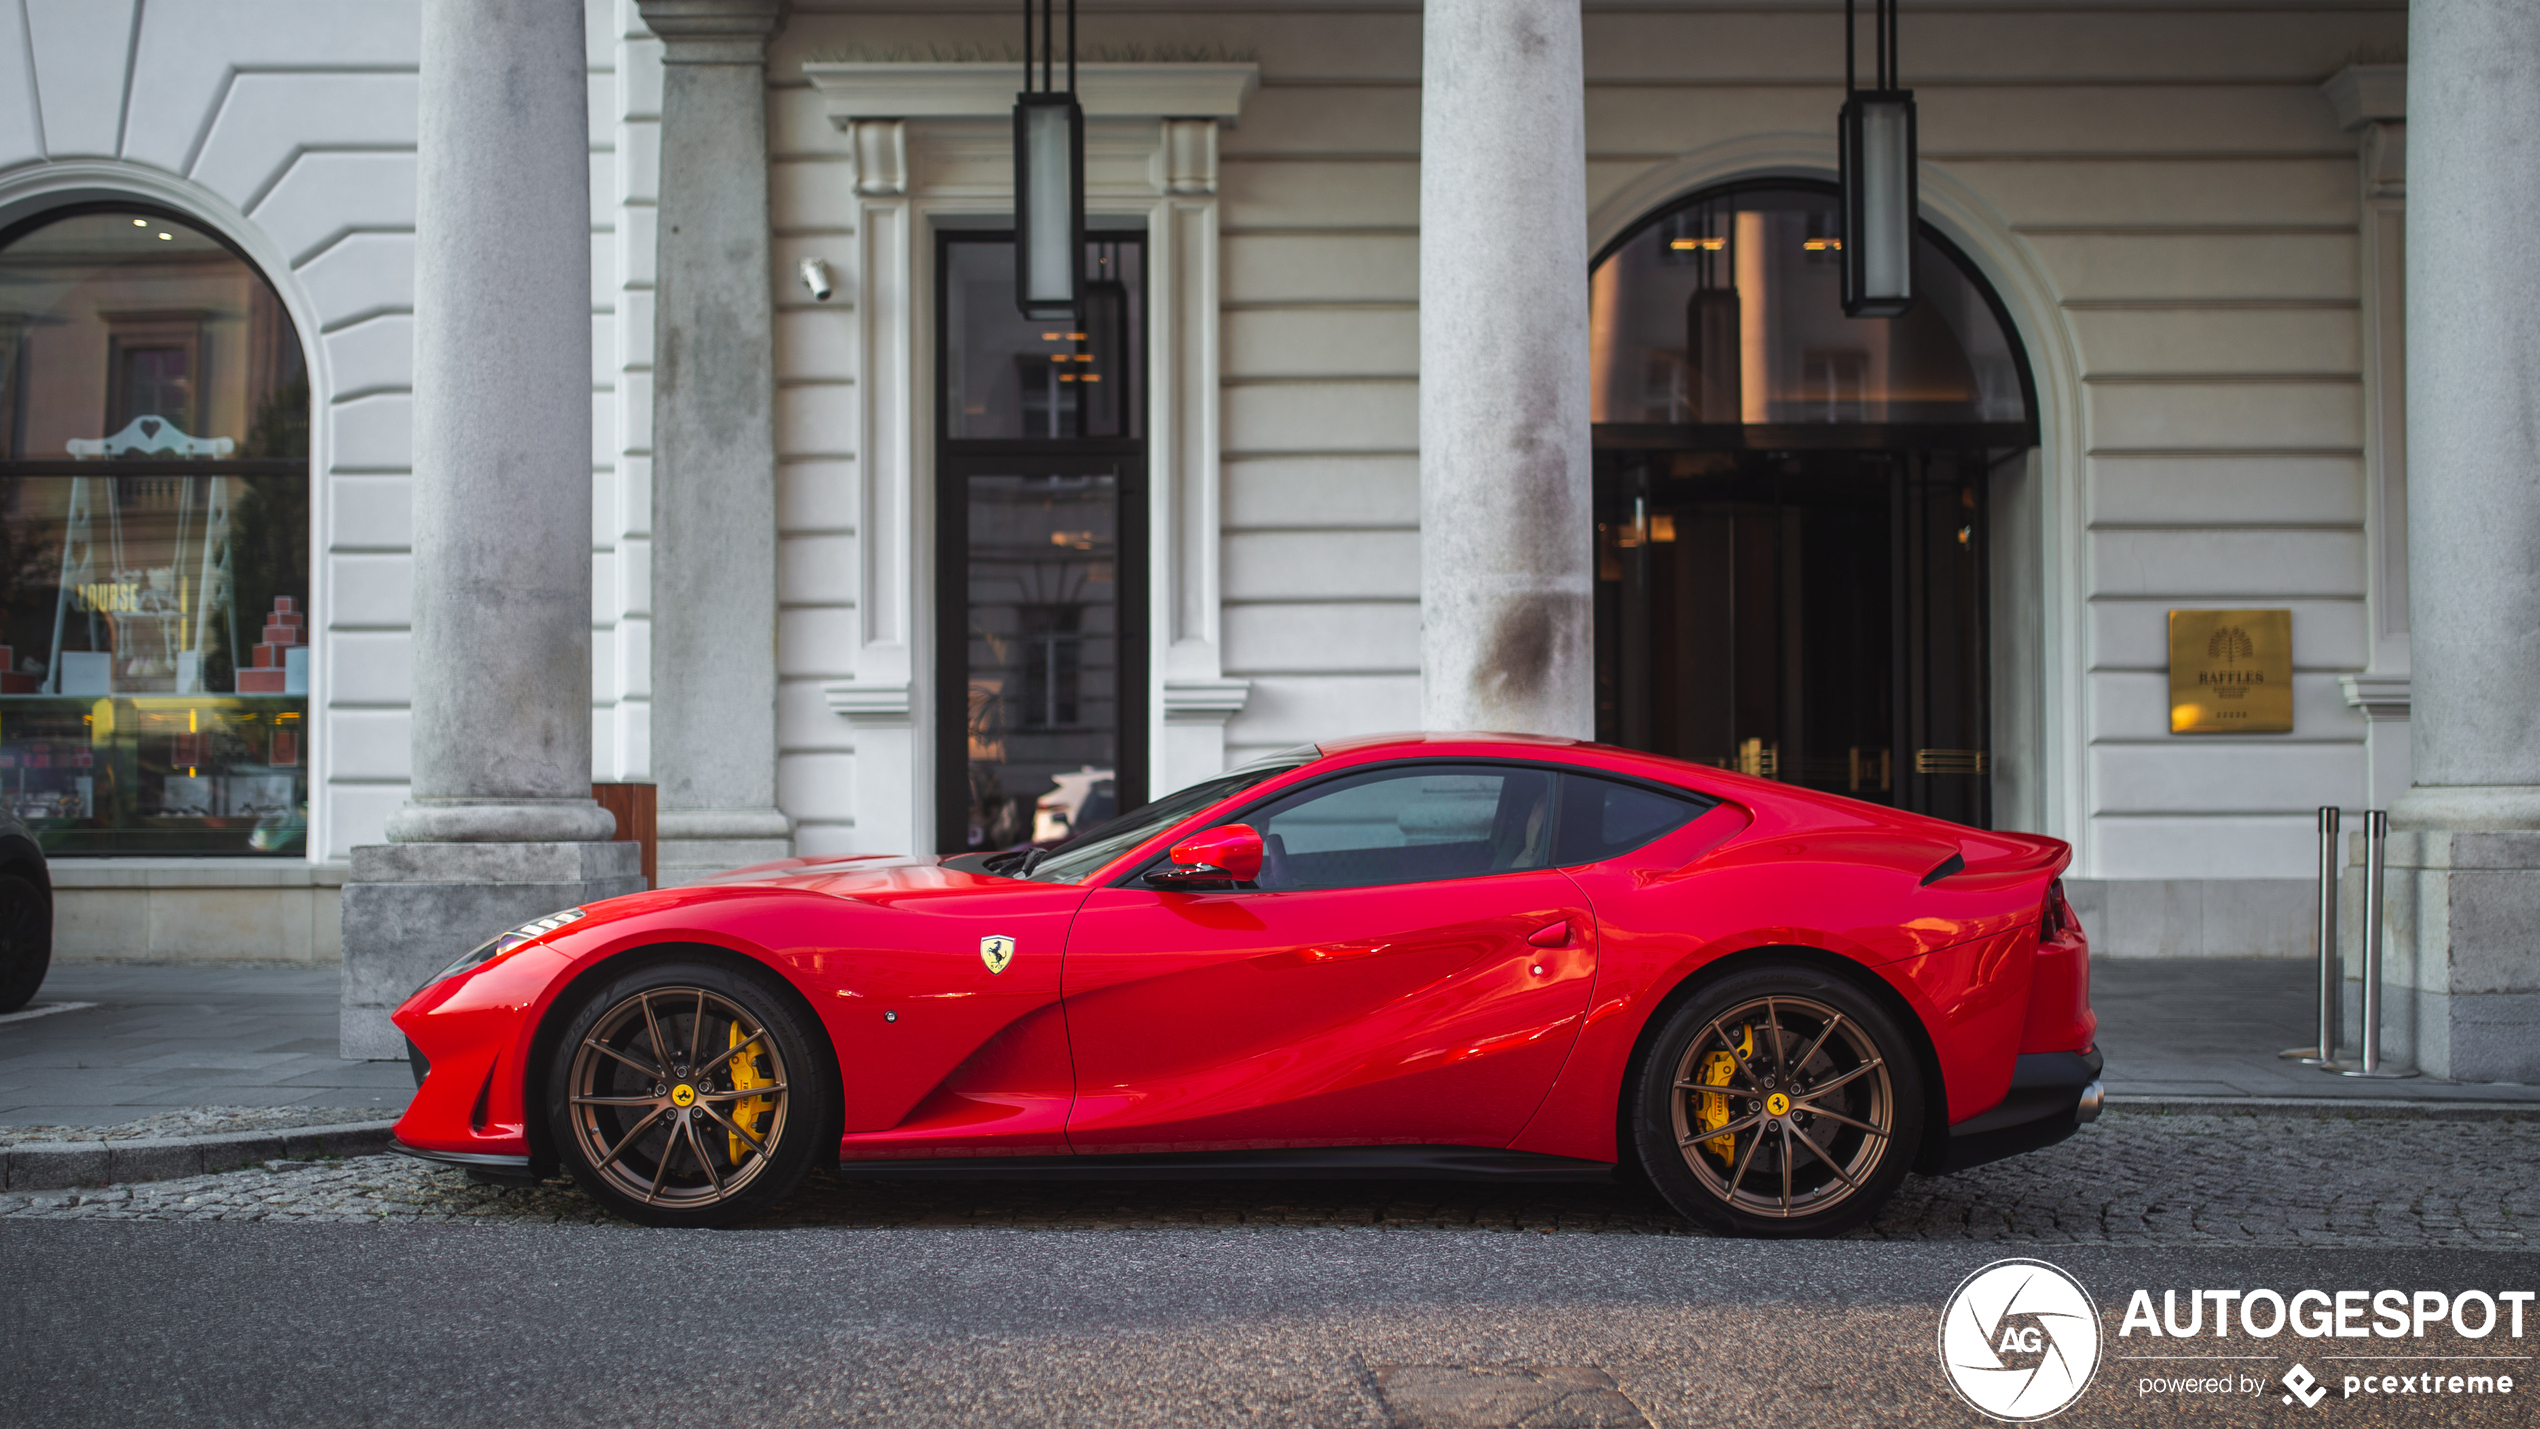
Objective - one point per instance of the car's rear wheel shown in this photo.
(1779, 1101)
(687, 1094)
(26, 940)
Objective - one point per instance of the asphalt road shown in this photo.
(257, 1324)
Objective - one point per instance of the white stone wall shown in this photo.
(819, 439)
(1322, 364)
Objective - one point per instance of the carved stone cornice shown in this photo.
(853, 90)
(878, 704)
(1201, 701)
(2380, 697)
(2373, 99)
(2368, 94)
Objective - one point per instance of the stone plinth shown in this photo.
(2460, 969)
(410, 909)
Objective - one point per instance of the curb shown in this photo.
(2349, 1108)
(60, 1165)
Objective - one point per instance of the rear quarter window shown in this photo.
(1606, 818)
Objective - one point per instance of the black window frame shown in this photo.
(1124, 459)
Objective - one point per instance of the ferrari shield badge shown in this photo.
(996, 950)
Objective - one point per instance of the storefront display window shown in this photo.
(154, 538)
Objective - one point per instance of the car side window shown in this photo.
(1407, 825)
(1605, 818)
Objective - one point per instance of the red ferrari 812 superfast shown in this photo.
(1441, 955)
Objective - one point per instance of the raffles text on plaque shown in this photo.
(2231, 671)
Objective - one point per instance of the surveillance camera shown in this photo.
(815, 273)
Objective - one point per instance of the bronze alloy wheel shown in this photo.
(677, 1098)
(1780, 1104)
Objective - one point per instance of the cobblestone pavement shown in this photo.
(2132, 1179)
(192, 1121)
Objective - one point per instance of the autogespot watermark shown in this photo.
(2264, 1314)
(2020, 1341)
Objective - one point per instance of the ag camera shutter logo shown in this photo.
(2019, 1340)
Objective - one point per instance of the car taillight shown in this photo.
(2057, 918)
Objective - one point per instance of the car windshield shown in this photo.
(1080, 857)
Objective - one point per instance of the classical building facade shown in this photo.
(877, 564)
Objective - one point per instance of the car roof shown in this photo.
(1409, 739)
(1708, 780)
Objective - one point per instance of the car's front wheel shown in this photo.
(1779, 1101)
(688, 1094)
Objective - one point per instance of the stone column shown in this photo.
(500, 826)
(2465, 872)
(1507, 639)
(2371, 101)
(714, 445)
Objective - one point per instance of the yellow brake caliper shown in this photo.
(748, 1112)
(1712, 1113)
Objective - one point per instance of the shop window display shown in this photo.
(154, 542)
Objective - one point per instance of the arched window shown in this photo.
(1726, 310)
(154, 540)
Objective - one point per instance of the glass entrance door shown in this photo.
(1814, 617)
(1046, 654)
(1040, 518)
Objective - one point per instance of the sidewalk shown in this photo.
(2211, 1027)
(163, 1037)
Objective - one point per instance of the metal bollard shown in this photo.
(2323, 1053)
(2376, 854)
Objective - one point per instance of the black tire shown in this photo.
(26, 941)
(1780, 1151)
(690, 1143)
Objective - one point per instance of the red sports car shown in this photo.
(1421, 955)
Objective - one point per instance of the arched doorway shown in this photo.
(1791, 505)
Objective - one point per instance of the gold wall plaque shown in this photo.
(2231, 671)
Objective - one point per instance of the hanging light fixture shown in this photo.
(1879, 194)
(1049, 180)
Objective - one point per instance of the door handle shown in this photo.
(1553, 935)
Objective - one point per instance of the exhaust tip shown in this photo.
(2093, 1098)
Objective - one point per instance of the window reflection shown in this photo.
(154, 619)
(1728, 309)
(1044, 656)
(1014, 378)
